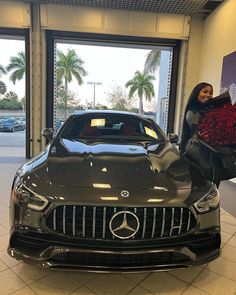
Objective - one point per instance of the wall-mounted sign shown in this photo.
(228, 76)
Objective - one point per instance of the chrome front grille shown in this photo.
(90, 222)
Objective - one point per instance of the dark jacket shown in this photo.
(214, 164)
(195, 150)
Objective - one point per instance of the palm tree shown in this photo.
(11, 96)
(2, 70)
(17, 65)
(69, 65)
(142, 84)
(152, 62)
(3, 88)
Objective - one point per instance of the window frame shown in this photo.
(53, 36)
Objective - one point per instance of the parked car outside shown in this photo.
(11, 125)
(22, 120)
(111, 192)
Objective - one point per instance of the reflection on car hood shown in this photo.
(74, 163)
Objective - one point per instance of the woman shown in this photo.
(190, 146)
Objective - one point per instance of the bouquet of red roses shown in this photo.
(218, 125)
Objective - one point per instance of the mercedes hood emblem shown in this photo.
(124, 194)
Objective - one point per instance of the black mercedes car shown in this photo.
(111, 192)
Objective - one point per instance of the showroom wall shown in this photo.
(117, 22)
(189, 68)
(218, 40)
(209, 41)
(14, 15)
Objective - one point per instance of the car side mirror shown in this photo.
(173, 138)
(48, 133)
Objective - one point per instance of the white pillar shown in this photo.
(37, 81)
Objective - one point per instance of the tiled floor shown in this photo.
(218, 277)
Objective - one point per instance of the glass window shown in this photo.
(110, 126)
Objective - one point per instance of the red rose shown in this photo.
(218, 126)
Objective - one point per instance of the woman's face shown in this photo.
(205, 94)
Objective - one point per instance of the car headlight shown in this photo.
(209, 202)
(25, 197)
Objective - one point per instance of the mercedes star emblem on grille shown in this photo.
(124, 194)
(124, 224)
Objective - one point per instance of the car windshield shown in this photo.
(111, 126)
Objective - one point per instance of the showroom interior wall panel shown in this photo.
(193, 54)
(218, 40)
(190, 59)
(14, 15)
(145, 24)
(209, 41)
(174, 24)
(189, 68)
(115, 20)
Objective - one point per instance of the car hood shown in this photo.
(89, 164)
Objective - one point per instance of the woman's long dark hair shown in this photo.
(192, 104)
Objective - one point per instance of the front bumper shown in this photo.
(59, 253)
(37, 239)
